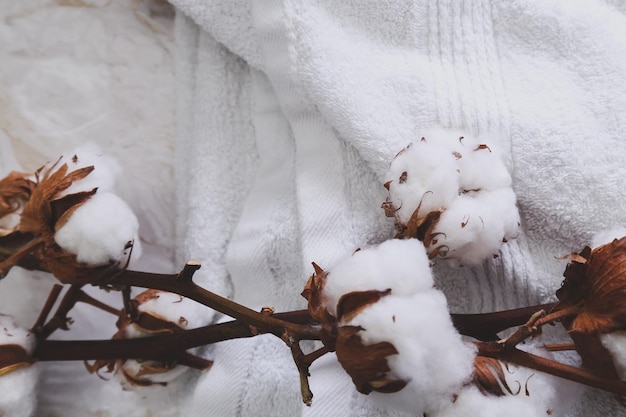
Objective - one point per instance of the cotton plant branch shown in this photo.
(377, 309)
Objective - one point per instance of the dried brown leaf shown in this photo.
(595, 280)
(15, 190)
(352, 303)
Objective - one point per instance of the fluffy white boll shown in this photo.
(413, 317)
(99, 230)
(475, 225)
(18, 388)
(105, 173)
(547, 396)
(183, 312)
(468, 179)
(482, 166)
(424, 174)
(401, 265)
(431, 354)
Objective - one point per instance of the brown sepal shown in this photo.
(420, 228)
(37, 216)
(13, 357)
(352, 303)
(489, 377)
(313, 292)
(367, 364)
(15, 190)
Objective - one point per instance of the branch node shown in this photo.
(190, 268)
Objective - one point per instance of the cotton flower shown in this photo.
(18, 378)
(453, 192)
(394, 335)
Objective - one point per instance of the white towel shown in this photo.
(290, 112)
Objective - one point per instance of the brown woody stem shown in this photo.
(47, 308)
(187, 288)
(528, 360)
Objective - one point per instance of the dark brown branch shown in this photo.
(158, 347)
(528, 360)
(486, 326)
(187, 288)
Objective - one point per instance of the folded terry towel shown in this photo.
(291, 111)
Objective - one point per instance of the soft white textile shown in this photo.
(290, 112)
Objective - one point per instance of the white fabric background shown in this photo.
(288, 114)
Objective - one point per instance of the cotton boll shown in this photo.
(180, 312)
(184, 312)
(133, 373)
(431, 354)
(424, 175)
(615, 343)
(99, 230)
(467, 180)
(547, 395)
(608, 236)
(399, 265)
(105, 173)
(18, 386)
(482, 168)
(474, 226)
(11, 334)
(19, 392)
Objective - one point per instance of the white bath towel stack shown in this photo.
(290, 112)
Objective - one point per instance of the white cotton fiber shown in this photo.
(99, 230)
(18, 388)
(105, 173)
(547, 396)
(615, 343)
(425, 174)
(475, 225)
(399, 265)
(184, 312)
(180, 311)
(413, 317)
(431, 354)
(465, 177)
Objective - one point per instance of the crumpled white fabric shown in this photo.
(290, 112)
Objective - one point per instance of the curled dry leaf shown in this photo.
(15, 190)
(595, 285)
(594, 291)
